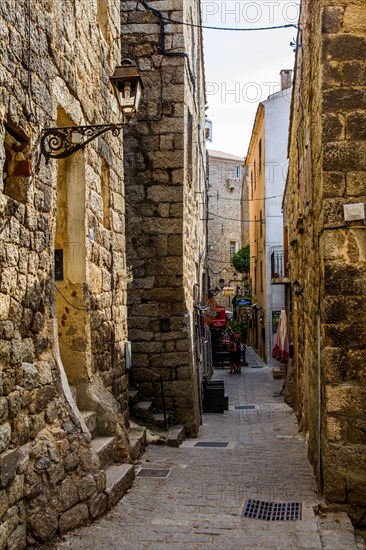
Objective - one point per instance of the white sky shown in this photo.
(247, 64)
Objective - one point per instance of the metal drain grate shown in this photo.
(272, 511)
(245, 407)
(219, 444)
(150, 472)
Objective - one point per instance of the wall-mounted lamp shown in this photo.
(128, 87)
(60, 143)
(297, 288)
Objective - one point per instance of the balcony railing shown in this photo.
(279, 267)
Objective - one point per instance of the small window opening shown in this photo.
(105, 192)
(17, 167)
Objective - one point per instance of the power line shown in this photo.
(167, 20)
(243, 200)
(70, 304)
(239, 220)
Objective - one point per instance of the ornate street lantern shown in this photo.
(62, 142)
(128, 87)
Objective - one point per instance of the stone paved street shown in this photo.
(199, 504)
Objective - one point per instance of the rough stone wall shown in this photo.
(224, 225)
(50, 480)
(164, 171)
(327, 255)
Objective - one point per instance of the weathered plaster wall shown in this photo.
(164, 183)
(327, 170)
(50, 479)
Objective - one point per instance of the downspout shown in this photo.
(113, 330)
(162, 22)
(320, 480)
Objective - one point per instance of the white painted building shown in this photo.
(266, 165)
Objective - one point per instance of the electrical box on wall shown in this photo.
(354, 212)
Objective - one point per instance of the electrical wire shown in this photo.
(31, 115)
(70, 304)
(245, 29)
(237, 220)
(243, 200)
(162, 21)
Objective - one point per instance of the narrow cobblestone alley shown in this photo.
(200, 503)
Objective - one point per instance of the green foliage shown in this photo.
(238, 327)
(241, 260)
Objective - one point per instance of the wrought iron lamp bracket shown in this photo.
(59, 143)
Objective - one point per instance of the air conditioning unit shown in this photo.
(230, 185)
(208, 129)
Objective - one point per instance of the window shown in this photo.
(17, 166)
(260, 224)
(255, 176)
(260, 156)
(237, 172)
(261, 275)
(255, 280)
(190, 145)
(104, 183)
(252, 182)
(309, 182)
(102, 18)
(232, 248)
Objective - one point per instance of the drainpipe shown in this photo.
(320, 479)
(113, 333)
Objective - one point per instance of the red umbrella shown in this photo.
(281, 348)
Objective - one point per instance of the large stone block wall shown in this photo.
(164, 172)
(224, 225)
(50, 479)
(328, 254)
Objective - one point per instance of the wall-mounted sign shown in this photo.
(220, 320)
(228, 291)
(244, 302)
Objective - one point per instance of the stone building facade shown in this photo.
(224, 220)
(165, 196)
(327, 249)
(61, 341)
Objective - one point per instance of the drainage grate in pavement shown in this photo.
(245, 407)
(150, 472)
(220, 444)
(272, 511)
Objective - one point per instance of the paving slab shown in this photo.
(199, 505)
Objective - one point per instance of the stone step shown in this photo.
(90, 418)
(133, 397)
(142, 409)
(137, 438)
(279, 372)
(119, 478)
(176, 436)
(104, 447)
(159, 420)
